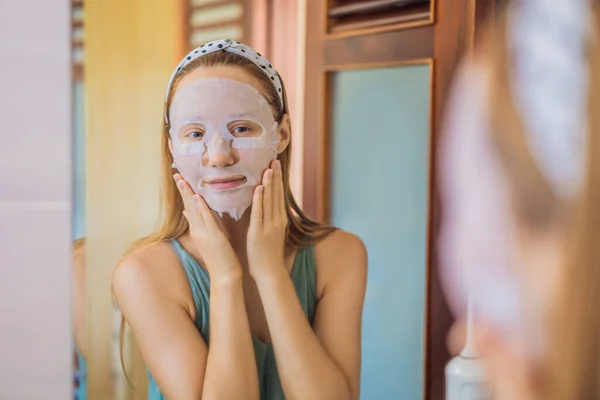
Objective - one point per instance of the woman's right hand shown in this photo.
(217, 253)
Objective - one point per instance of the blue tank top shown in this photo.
(304, 279)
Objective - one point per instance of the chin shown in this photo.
(226, 207)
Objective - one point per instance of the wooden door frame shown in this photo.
(412, 44)
(325, 55)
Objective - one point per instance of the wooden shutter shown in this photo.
(217, 19)
(358, 17)
(77, 39)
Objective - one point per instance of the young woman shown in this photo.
(521, 177)
(239, 295)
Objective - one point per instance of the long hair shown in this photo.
(570, 368)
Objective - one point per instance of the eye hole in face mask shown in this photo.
(192, 133)
(244, 129)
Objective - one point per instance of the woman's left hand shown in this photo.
(268, 224)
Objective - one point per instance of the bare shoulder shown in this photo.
(143, 263)
(150, 271)
(341, 247)
(340, 257)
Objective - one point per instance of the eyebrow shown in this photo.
(201, 120)
(242, 115)
(197, 120)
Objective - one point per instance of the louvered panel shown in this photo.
(216, 19)
(77, 39)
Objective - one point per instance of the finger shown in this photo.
(185, 215)
(278, 190)
(193, 224)
(267, 196)
(185, 191)
(256, 217)
(204, 211)
(187, 194)
(275, 188)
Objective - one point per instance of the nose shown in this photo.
(219, 153)
(220, 160)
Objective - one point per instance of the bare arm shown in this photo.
(231, 372)
(172, 347)
(79, 318)
(324, 363)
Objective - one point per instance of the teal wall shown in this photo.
(78, 160)
(379, 190)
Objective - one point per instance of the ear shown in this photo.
(284, 133)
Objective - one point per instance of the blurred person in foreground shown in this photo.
(520, 178)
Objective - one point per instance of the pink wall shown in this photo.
(278, 30)
(35, 200)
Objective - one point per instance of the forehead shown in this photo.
(218, 100)
(234, 73)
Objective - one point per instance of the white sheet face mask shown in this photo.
(224, 136)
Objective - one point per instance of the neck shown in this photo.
(235, 231)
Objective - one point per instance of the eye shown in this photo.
(241, 130)
(244, 129)
(195, 134)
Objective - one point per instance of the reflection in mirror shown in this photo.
(238, 293)
(236, 271)
(291, 292)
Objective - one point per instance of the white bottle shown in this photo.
(465, 378)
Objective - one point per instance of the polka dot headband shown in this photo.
(232, 47)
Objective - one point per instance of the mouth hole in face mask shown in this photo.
(224, 183)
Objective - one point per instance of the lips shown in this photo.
(226, 183)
